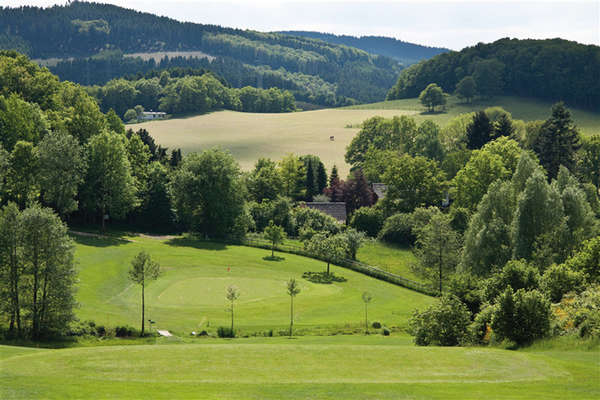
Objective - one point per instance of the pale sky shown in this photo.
(445, 23)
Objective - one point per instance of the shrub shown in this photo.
(304, 217)
(124, 331)
(225, 332)
(521, 316)
(459, 219)
(480, 328)
(322, 277)
(581, 313)
(203, 333)
(376, 325)
(385, 331)
(468, 290)
(517, 274)
(397, 229)
(559, 280)
(587, 260)
(368, 220)
(444, 323)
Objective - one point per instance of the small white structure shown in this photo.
(149, 115)
(164, 333)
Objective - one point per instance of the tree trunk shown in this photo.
(231, 316)
(291, 314)
(142, 334)
(34, 306)
(273, 250)
(366, 320)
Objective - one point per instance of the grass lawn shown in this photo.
(190, 294)
(339, 367)
(250, 136)
(394, 259)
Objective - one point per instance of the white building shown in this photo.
(148, 115)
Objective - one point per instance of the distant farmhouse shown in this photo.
(150, 115)
(335, 209)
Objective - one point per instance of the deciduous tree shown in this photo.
(143, 270)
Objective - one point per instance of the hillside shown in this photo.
(404, 52)
(552, 70)
(94, 37)
(250, 136)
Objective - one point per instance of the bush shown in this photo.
(397, 229)
(559, 280)
(480, 328)
(468, 290)
(386, 331)
(304, 217)
(444, 323)
(581, 313)
(225, 332)
(517, 274)
(521, 316)
(368, 220)
(322, 277)
(124, 331)
(376, 325)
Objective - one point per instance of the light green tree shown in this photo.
(143, 270)
(274, 234)
(326, 248)
(62, 167)
(22, 181)
(292, 289)
(466, 88)
(292, 174)
(438, 250)
(432, 96)
(232, 294)
(366, 298)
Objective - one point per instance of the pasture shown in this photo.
(250, 136)
(334, 367)
(190, 294)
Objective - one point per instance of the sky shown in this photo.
(442, 23)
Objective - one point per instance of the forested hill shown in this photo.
(404, 52)
(552, 69)
(80, 30)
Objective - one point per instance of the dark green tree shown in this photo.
(466, 88)
(479, 131)
(432, 96)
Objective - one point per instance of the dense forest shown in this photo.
(405, 52)
(552, 69)
(80, 30)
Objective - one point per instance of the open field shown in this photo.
(250, 136)
(190, 295)
(338, 367)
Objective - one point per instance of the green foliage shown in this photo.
(264, 181)
(438, 250)
(130, 115)
(292, 173)
(207, 193)
(467, 288)
(274, 234)
(589, 160)
(466, 88)
(22, 178)
(368, 220)
(354, 240)
(427, 142)
(558, 141)
(432, 96)
(527, 68)
(521, 316)
(412, 182)
(516, 274)
(583, 312)
(442, 324)
(327, 248)
(322, 277)
(225, 332)
(559, 280)
(398, 229)
(20, 121)
(587, 260)
(309, 218)
(479, 131)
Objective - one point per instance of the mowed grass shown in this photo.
(250, 136)
(340, 367)
(190, 294)
(390, 258)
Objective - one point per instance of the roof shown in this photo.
(379, 189)
(154, 113)
(335, 209)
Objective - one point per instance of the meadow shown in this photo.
(334, 367)
(190, 294)
(250, 136)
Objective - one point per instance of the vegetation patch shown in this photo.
(322, 277)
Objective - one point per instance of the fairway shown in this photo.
(250, 136)
(190, 294)
(349, 367)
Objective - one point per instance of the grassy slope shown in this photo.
(351, 367)
(191, 292)
(250, 136)
(394, 259)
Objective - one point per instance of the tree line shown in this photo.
(552, 69)
(86, 29)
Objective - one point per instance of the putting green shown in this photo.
(190, 293)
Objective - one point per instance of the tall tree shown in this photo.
(558, 141)
(62, 167)
(143, 270)
(264, 181)
(109, 188)
(208, 193)
(22, 180)
(292, 174)
(357, 192)
(366, 298)
(232, 294)
(589, 160)
(311, 184)
(489, 77)
(479, 131)
(321, 178)
(11, 267)
(438, 249)
(274, 234)
(326, 248)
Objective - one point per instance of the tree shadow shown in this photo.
(196, 244)
(273, 258)
(97, 241)
(433, 112)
